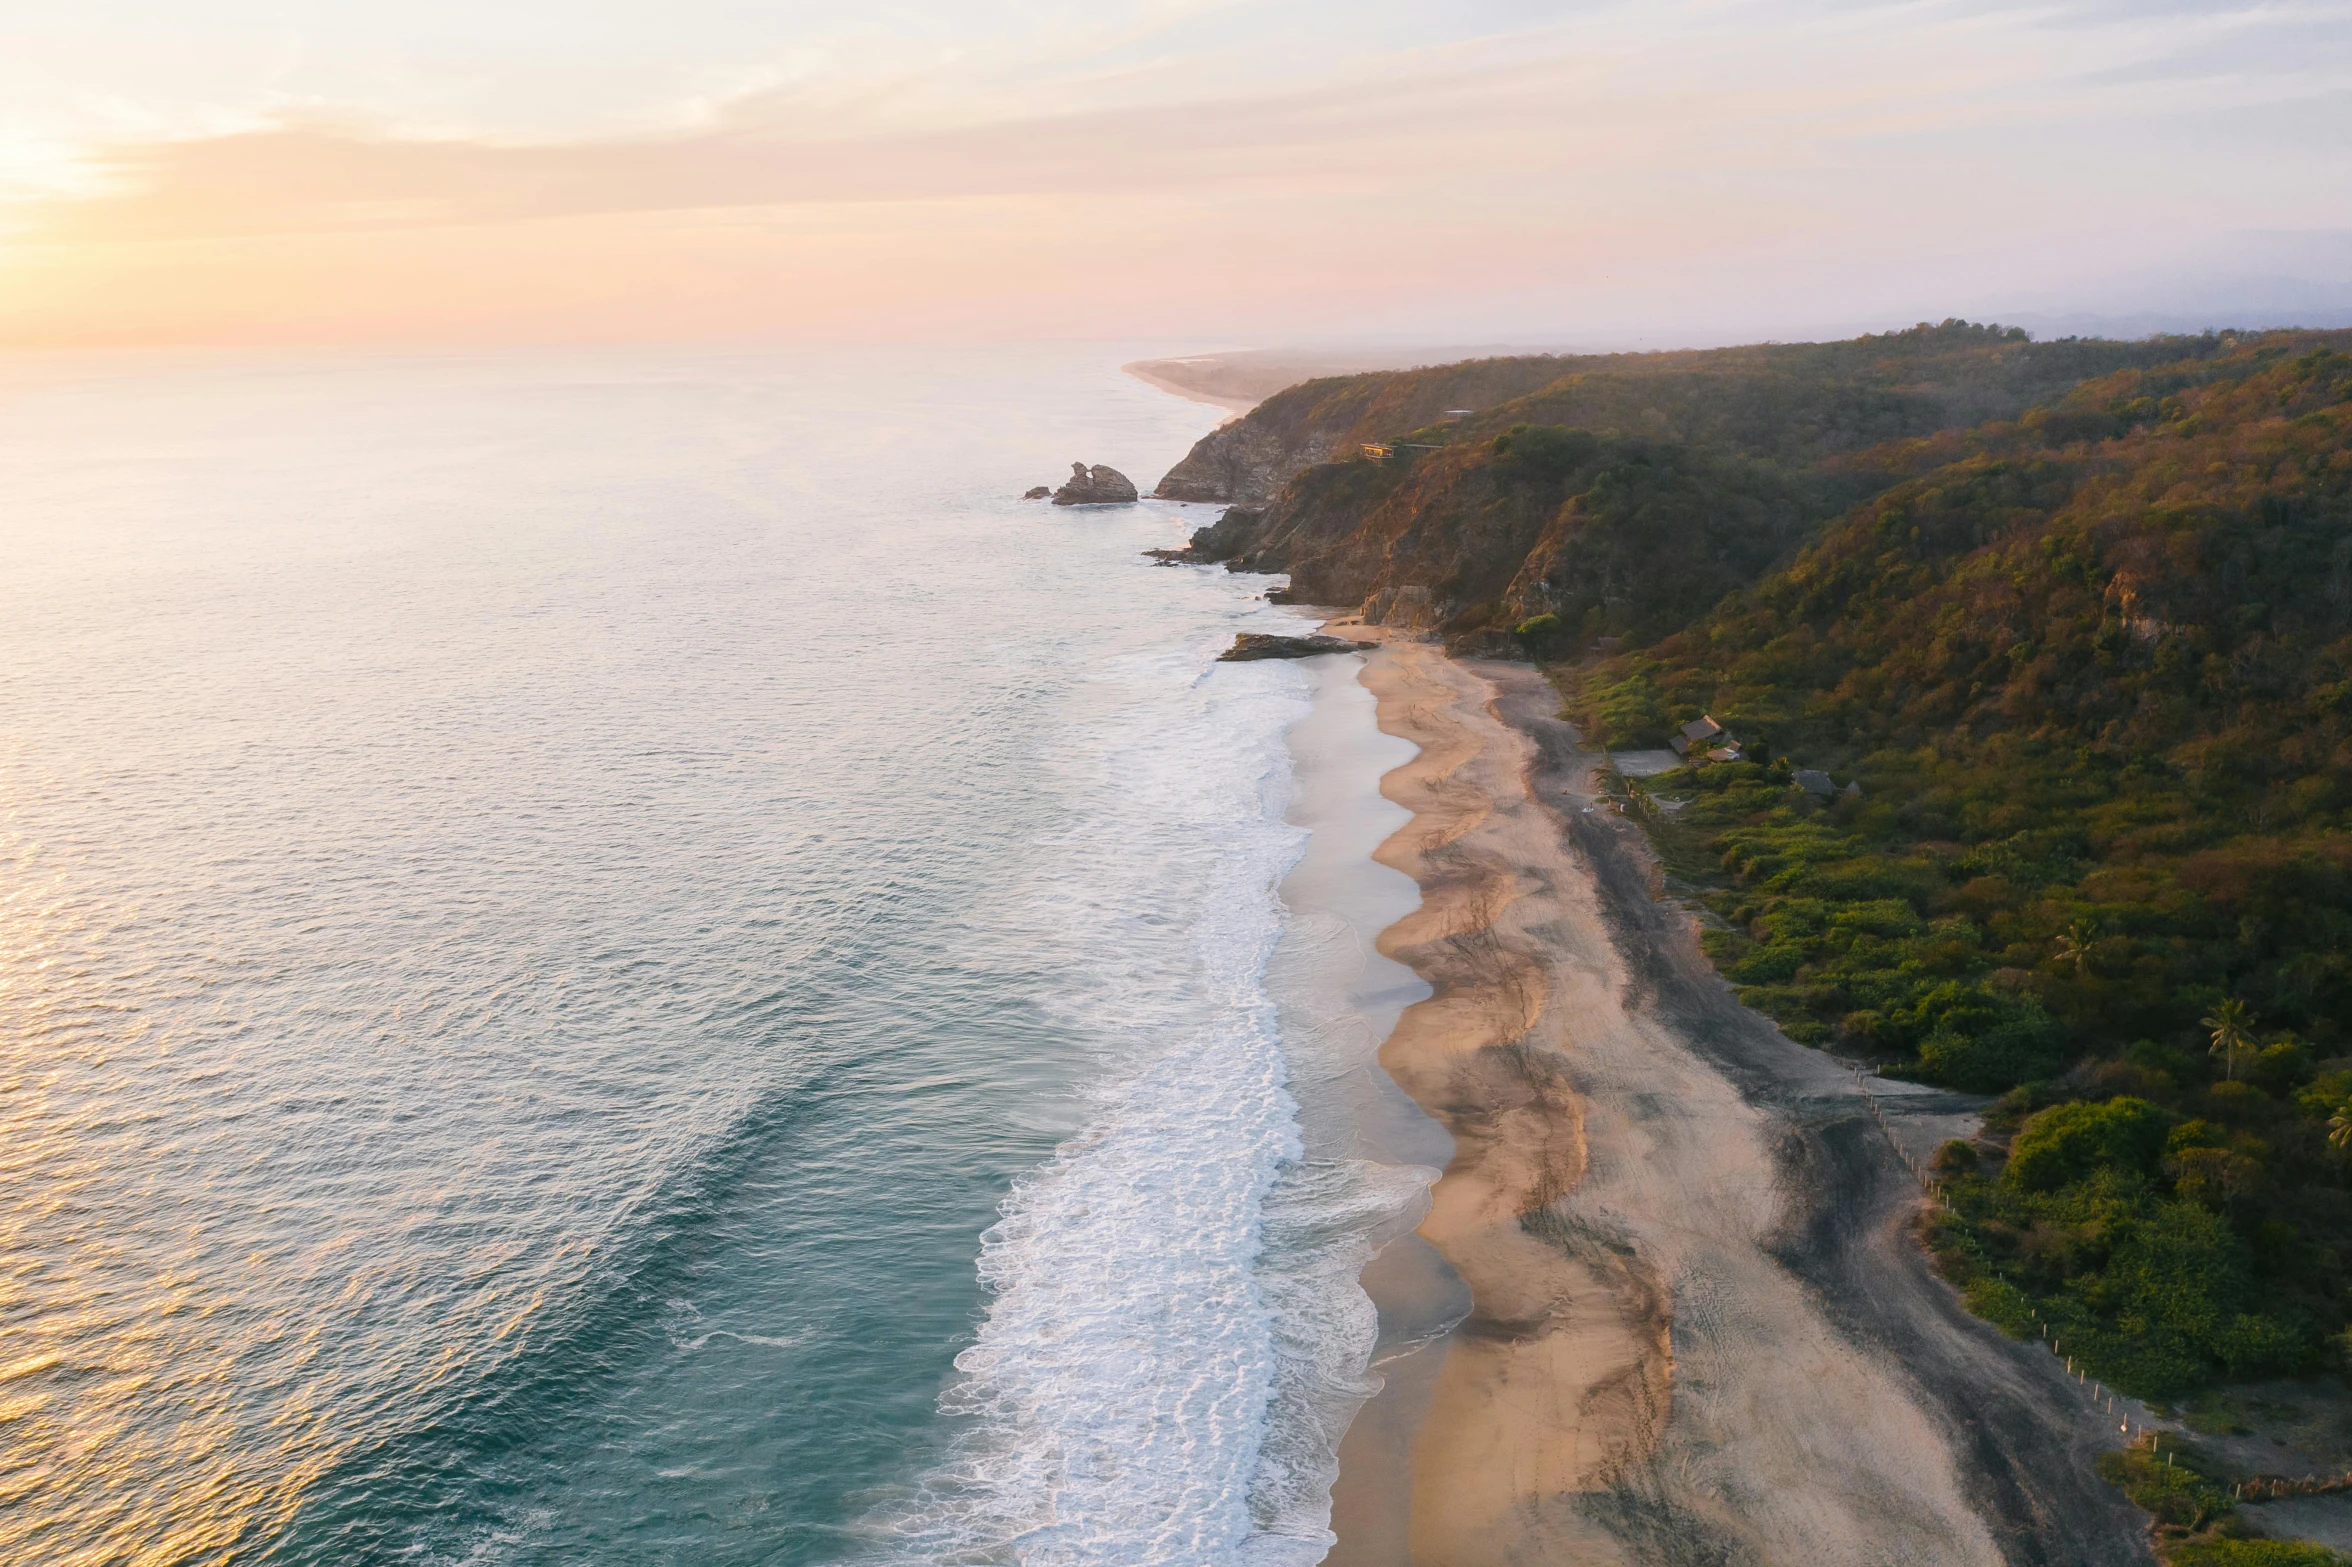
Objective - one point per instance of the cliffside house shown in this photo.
(1379, 451)
(1814, 781)
(1695, 734)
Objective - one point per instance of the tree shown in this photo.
(2340, 1127)
(2229, 1023)
(2075, 947)
(2071, 1142)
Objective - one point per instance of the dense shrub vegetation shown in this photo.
(2197, 1521)
(2091, 669)
(2177, 1495)
(1617, 506)
(2254, 1553)
(1624, 493)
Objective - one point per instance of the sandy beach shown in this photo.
(1153, 373)
(1699, 1330)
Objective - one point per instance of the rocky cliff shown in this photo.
(1624, 494)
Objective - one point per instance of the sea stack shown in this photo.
(1095, 486)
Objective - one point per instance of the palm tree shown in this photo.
(2340, 1127)
(2075, 947)
(2229, 1022)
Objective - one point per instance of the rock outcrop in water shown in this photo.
(1037, 492)
(1095, 486)
(1251, 645)
(1221, 540)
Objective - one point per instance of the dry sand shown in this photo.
(1699, 1332)
(1240, 379)
(1195, 382)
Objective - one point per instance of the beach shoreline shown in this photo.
(1235, 406)
(1699, 1327)
(1337, 997)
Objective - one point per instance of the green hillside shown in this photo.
(1623, 494)
(2091, 669)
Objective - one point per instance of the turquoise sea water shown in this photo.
(621, 958)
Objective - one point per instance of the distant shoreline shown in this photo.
(1237, 380)
(1154, 373)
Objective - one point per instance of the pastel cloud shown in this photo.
(1760, 162)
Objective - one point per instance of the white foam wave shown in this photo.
(1322, 1221)
(1176, 1337)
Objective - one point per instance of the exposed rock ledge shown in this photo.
(1256, 644)
(1222, 540)
(1095, 486)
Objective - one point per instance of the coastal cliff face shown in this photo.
(1625, 494)
(1579, 526)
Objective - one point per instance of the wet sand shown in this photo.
(1699, 1330)
(1339, 996)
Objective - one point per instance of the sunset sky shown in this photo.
(315, 171)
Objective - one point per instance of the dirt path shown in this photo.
(1700, 1333)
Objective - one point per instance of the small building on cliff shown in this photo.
(1696, 735)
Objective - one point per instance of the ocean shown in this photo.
(620, 957)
